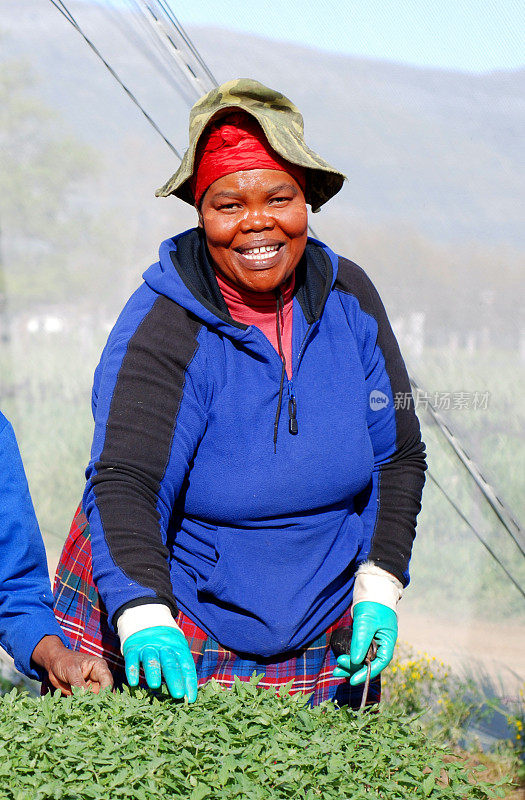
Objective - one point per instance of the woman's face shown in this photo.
(256, 227)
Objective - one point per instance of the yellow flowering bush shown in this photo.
(414, 681)
(517, 720)
(420, 685)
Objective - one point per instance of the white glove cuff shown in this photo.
(137, 618)
(376, 585)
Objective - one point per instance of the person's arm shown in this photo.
(399, 453)
(150, 417)
(29, 631)
(392, 501)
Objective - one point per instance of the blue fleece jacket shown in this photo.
(26, 601)
(192, 500)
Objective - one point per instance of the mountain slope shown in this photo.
(436, 149)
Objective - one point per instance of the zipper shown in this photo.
(293, 425)
(303, 345)
(292, 415)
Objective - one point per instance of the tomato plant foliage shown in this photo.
(239, 743)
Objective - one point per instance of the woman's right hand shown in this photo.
(163, 652)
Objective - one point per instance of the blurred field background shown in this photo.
(432, 211)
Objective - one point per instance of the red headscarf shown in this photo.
(233, 144)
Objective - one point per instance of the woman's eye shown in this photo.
(280, 199)
(228, 206)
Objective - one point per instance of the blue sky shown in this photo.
(470, 35)
(466, 35)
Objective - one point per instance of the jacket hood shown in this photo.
(184, 273)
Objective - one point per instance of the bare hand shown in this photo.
(67, 668)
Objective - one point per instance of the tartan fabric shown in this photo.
(81, 613)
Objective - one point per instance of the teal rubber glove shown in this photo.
(371, 621)
(162, 651)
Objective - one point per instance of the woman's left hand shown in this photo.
(67, 668)
(370, 621)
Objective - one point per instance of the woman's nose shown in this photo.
(256, 220)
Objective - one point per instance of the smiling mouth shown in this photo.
(262, 253)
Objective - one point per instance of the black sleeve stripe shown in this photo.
(139, 433)
(401, 480)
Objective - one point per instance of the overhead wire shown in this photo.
(155, 55)
(163, 45)
(177, 44)
(169, 13)
(475, 532)
(488, 492)
(62, 8)
(497, 505)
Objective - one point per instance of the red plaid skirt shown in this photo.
(81, 613)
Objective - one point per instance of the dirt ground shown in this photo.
(494, 649)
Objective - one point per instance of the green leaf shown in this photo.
(428, 784)
(200, 792)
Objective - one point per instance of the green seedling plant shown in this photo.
(243, 742)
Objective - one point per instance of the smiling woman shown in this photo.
(256, 227)
(245, 497)
(252, 204)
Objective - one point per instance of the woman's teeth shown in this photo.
(260, 253)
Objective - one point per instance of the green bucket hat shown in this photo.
(283, 127)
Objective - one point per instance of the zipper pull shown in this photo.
(292, 412)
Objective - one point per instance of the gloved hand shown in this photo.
(161, 650)
(371, 621)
